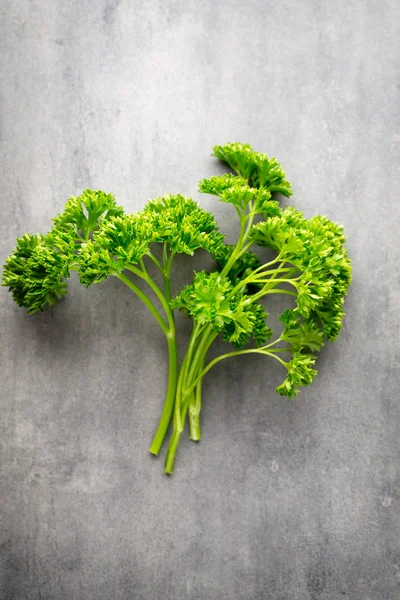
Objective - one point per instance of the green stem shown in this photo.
(181, 403)
(193, 366)
(170, 333)
(274, 281)
(195, 409)
(279, 339)
(244, 232)
(178, 424)
(280, 291)
(170, 396)
(145, 300)
(251, 278)
(179, 421)
(165, 253)
(173, 444)
(265, 265)
(208, 337)
(274, 271)
(155, 261)
(269, 288)
(171, 452)
(255, 297)
(144, 275)
(168, 407)
(196, 367)
(167, 274)
(236, 353)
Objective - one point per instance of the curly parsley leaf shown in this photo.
(182, 224)
(36, 270)
(120, 242)
(255, 167)
(316, 248)
(236, 191)
(209, 299)
(300, 372)
(83, 214)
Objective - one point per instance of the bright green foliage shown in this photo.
(247, 321)
(83, 214)
(242, 267)
(204, 298)
(264, 206)
(182, 224)
(300, 372)
(316, 248)
(311, 256)
(241, 195)
(36, 270)
(275, 233)
(120, 242)
(238, 156)
(47, 268)
(218, 184)
(94, 237)
(311, 260)
(210, 300)
(16, 265)
(255, 167)
(301, 334)
(229, 188)
(236, 191)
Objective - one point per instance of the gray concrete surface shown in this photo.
(282, 500)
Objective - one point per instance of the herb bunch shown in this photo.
(94, 237)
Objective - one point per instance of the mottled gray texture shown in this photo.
(282, 500)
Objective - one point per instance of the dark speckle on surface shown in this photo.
(110, 10)
(316, 583)
(282, 499)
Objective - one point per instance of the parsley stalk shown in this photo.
(182, 400)
(246, 217)
(172, 358)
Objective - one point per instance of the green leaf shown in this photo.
(16, 264)
(235, 190)
(218, 184)
(120, 242)
(237, 156)
(182, 224)
(241, 268)
(316, 248)
(36, 270)
(210, 300)
(83, 214)
(205, 297)
(255, 167)
(300, 373)
(268, 173)
(246, 320)
(301, 334)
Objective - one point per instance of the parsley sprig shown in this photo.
(311, 265)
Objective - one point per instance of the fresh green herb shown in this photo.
(94, 237)
(310, 264)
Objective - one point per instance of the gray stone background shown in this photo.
(282, 500)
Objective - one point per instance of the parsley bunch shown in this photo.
(94, 237)
(311, 264)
